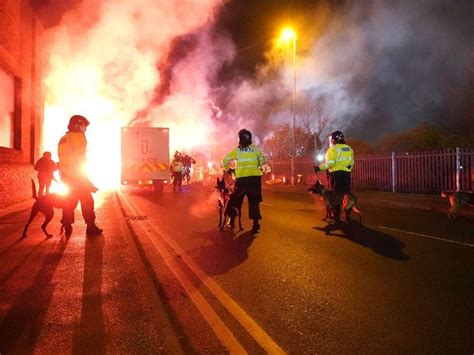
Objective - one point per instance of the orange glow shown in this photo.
(62, 189)
(287, 34)
(108, 73)
(103, 137)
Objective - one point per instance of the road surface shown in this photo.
(164, 279)
(400, 282)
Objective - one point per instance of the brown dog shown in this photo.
(223, 198)
(348, 204)
(45, 204)
(457, 200)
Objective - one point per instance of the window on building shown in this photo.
(7, 110)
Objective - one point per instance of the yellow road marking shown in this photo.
(265, 341)
(217, 325)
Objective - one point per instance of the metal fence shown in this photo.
(427, 172)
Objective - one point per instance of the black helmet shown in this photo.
(77, 123)
(177, 155)
(245, 138)
(336, 137)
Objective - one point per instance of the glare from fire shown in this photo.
(62, 189)
(108, 73)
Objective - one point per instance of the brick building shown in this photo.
(21, 99)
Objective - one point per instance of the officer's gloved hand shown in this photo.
(316, 168)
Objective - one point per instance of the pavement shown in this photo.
(389, 199)
(88, 295)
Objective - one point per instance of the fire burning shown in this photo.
(108, 71)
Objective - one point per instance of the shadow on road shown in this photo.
(223, 249)
(26, 316)
(381, 243)
(89, 334)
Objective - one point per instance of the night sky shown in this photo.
(389, 64)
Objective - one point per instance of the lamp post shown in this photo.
(289, 35)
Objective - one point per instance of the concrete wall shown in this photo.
(20, 31)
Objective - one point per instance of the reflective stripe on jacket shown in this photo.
(72, 153)
(249, 161)
(339, 157)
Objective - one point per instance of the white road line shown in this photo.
(265, 341)
(427, 236)
(212, 318)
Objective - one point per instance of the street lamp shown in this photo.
(289, 35)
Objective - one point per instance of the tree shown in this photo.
(314, 118)
(360, 147)
(423, 137)
(279, 144)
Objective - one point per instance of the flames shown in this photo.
(108, 71)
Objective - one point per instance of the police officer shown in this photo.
(72, 157)
(339, 163)
(248, 173)
(176, 169)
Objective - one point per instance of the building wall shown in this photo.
(19, 33)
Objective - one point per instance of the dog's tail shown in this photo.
(33, 187)
(444, 194)
(359, 213)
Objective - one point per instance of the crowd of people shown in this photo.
(245, 163)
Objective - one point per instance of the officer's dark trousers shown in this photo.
(250, 186)
(340, 184)
(79, 191)
(177, 180)
(340, 181)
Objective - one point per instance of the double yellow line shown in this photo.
(162, 242)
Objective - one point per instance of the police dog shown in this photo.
(223, 198)
(457, 200)
(348, 204)
(45, 204)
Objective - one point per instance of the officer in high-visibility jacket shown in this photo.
(339, 163)
(248, 174)
(176, 169)
(72, 157)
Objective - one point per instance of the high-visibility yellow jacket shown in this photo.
(249, 161)
(72, 154)
(177, 166)
(339, 157)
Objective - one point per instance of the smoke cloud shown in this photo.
(380, 66)
(116, 63)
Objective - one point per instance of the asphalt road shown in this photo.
(402, 282)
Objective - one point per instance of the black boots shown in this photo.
(335, 215)
(255, 226)
(93, 230)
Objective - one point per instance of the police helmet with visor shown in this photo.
(78, 123)
(245, 138)
(336, 137)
